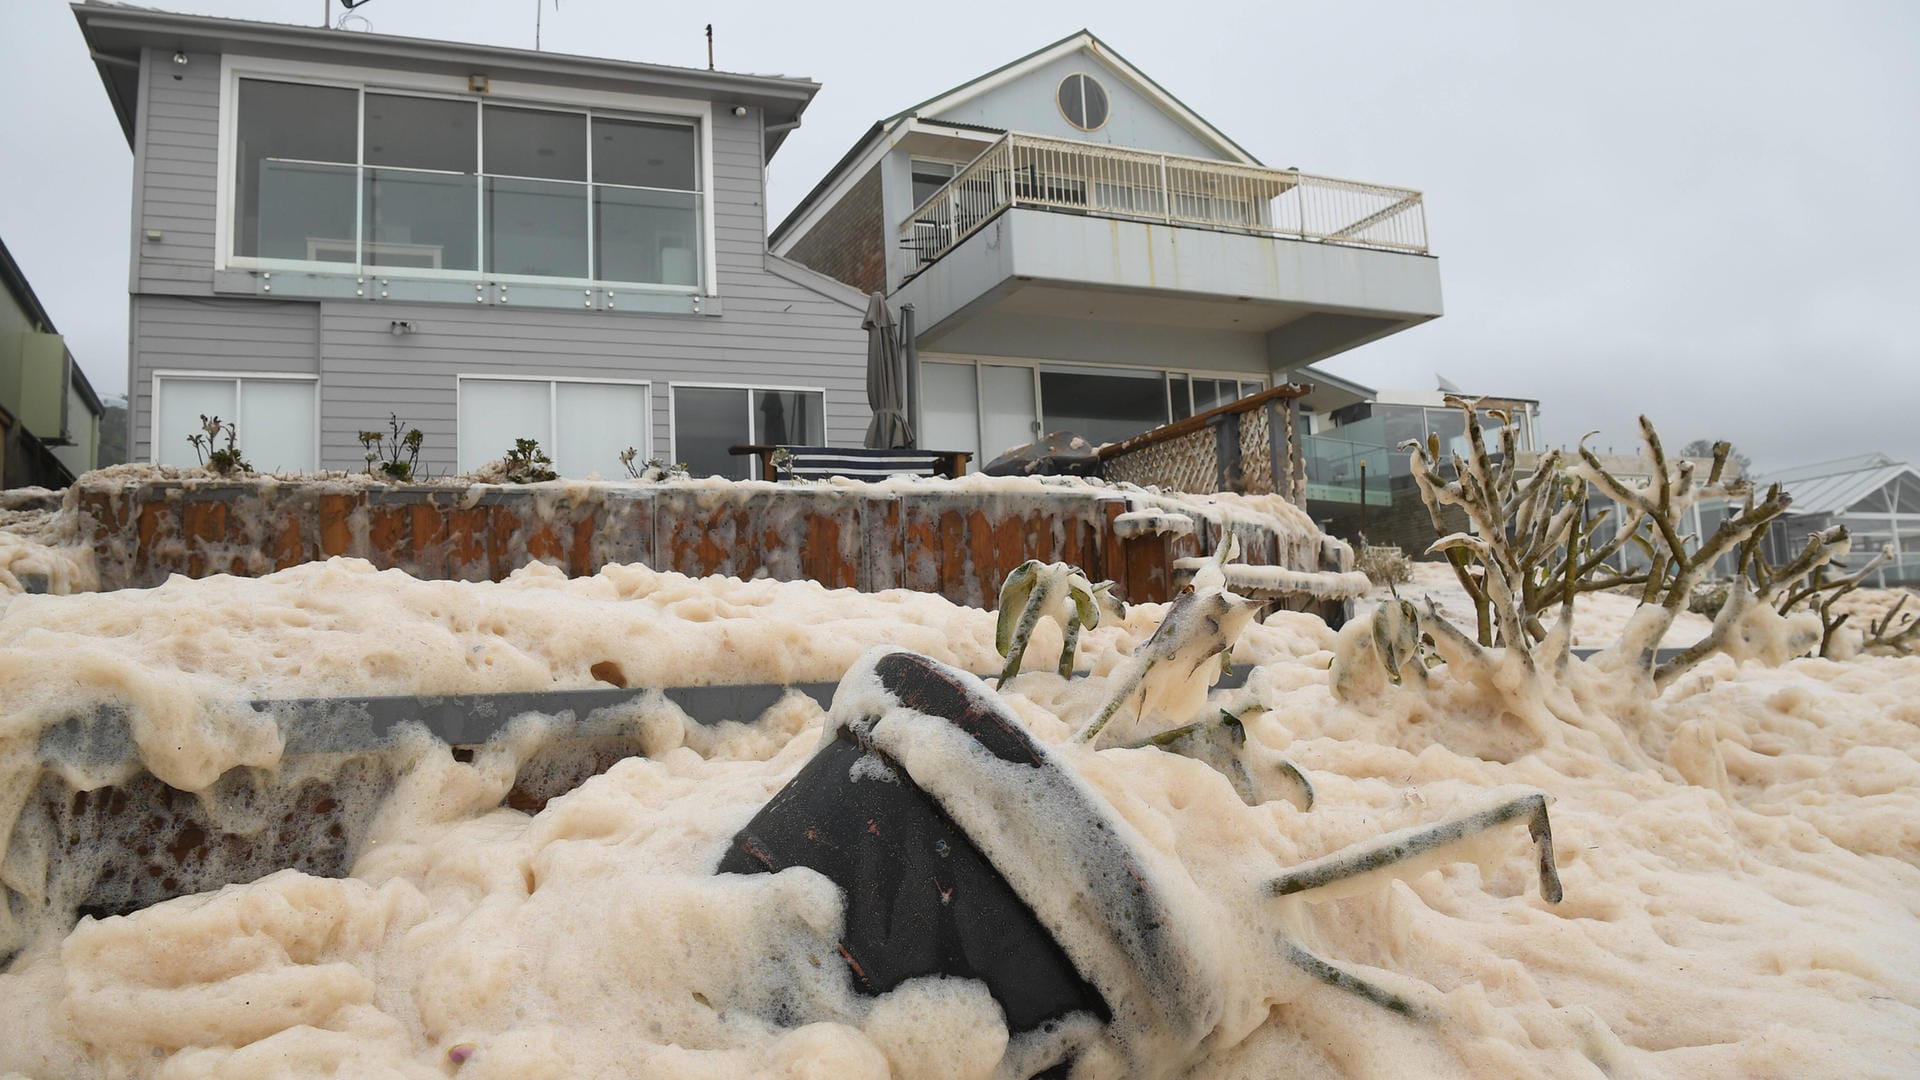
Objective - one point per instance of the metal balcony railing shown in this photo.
(1105, 181)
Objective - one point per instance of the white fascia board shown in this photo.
(1187, 117)
(968, 91)
(918, 124)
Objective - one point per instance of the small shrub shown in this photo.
(653, 469)
(1383, 564)
(384, 450)
(1709, 597)
(224, 460)
(526, 463)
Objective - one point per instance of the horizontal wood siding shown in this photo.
(175, 191)
(177, 333)
(368, 372)
(785, 329)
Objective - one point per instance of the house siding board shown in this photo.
(848, 242)
(772, 330)
(184, 334)
(1027, 104)
(368, 371)
(174, 192)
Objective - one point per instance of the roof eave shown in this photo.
(831, 177)
(113, 31)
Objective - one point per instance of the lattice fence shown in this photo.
(1186, 456)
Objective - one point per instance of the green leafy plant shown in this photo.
(224, 460)
(384, 450)
(526, 463)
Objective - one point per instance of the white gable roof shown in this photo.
(1082, 41)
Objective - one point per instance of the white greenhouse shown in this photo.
(1874, 496)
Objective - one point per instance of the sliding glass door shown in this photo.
(1008, 414)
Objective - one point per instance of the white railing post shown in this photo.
(1066, 174)
(1166, 191)
(1012, 169)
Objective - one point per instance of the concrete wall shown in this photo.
(958, 542)
(1336, 297)
(774, 322)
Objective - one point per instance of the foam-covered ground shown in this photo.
(1741, 857)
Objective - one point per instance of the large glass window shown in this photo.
(645, 207)
(273, 419)
(1102, 405)
(929, 177)
(708, 421)
(417, 195)
(949, 408)
(583, 426)
(296, 154)
(405, 182)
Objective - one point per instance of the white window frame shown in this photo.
(753, 462)
(553, 407)
(914, 161)
(506, 93)
(1087, 77)
(237, 378)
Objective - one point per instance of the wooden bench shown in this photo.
(855, 462)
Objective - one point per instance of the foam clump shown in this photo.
(1739, 854)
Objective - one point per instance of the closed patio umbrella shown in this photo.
(886, 394)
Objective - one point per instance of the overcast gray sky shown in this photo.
(1708, 212)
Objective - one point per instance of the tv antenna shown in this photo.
(539, 8)
(349, 16)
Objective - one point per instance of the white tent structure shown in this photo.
(1875, 497)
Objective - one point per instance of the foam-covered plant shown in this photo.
(1892, 634)
(653, 469)
(1169, 674)
(1383, 564)
(526, 463)
(224, 460)
(385, 450)
(1533, 547)
(1057, 591)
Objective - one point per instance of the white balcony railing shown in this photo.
(1106, 181)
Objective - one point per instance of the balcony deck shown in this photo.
(1040, 228)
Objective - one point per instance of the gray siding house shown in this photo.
(329, 227)
(1084, 252)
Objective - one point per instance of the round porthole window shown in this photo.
(1083, 101)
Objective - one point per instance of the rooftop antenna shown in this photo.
(348, 14)
(539, 8)
(709, 46)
